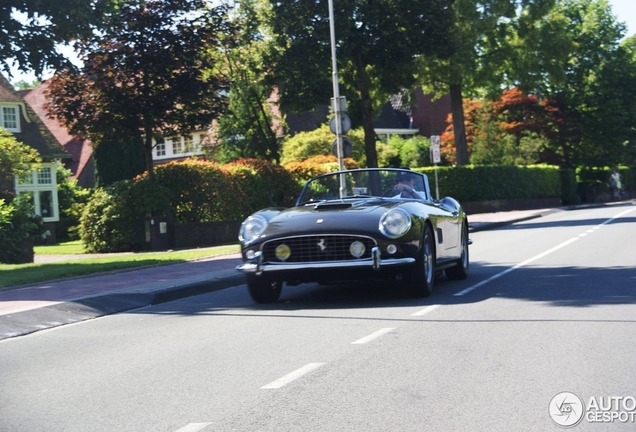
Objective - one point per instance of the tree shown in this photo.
(16, 158)
(572, 58)
(378, 44)
(32, 29)
(482, 32)
(246, 129)
(147, 76)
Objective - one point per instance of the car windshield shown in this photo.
(361, 183)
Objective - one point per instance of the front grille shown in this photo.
(317, 248)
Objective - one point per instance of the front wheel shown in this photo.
(263, 290)
(460, 270)
(421, 277)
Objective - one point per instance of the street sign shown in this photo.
(436, 156)
(345, 124)
(347, 147)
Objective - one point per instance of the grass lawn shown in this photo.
(19, 274)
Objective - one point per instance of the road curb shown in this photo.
(70, 312)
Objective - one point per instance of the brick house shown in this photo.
(17, 117)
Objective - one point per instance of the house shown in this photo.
(424, 117)
(81, 161)
(17, 117)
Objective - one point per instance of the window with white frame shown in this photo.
(161, 149)
(9, 118)
(177, 146)
(41, 187)
(188, 145)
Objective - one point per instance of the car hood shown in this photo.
(332, 216)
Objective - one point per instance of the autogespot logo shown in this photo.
(566, 409)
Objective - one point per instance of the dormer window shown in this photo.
(9, 118)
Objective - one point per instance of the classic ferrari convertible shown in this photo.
(356, 225)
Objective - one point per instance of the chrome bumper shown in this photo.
(375, 263)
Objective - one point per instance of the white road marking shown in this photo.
(536, 257)
(373, 335)
(193, 427)
(292, 376)
(426, 310)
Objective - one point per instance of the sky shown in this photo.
(624, 10)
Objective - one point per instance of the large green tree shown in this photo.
(146, 76)
(572, 57)
(482, 31)
(246, 128)
(378, 44)
(31, 30)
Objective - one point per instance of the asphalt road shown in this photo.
(549, 307)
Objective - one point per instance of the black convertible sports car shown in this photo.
(356, 225)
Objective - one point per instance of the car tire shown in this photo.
(421, 277)
(263, 290)
(460, 270)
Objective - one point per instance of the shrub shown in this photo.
(107, 221)
(19, 226)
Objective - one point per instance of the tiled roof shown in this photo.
(33, 132)
(80, 149)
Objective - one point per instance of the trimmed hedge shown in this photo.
(187, 191)
(479, 183)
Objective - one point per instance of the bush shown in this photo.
(479, 183)
(305, 145)
(107, 221)
(72, 199)
(317, 165)
(19, 227)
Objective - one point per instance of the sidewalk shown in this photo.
(28, 309)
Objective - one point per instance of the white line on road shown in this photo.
(193, 427)
(373, 335)
(426, 310)
(536, 257)
(292, 376)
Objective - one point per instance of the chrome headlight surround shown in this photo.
(252, 227)
(395, 223)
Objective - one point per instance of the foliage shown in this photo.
(118, 158)
(483, 32)
(71, 199)
(572, 57)
(412, 152)
(32, 29)
(16, 158)
(19, 227)
(305, 145)
(247, 127)
(478, 183)
(317, 165)
(378, 44)
(106, 224)
(145, 76)
(225, 192)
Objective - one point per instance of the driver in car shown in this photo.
(405, 184)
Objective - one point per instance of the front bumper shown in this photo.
(375, 263)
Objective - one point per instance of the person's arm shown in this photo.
(409, 190)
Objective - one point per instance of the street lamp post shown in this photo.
(337, 109)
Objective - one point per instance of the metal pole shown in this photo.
(336, 97)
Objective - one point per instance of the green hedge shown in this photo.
(188, 191)
(480, 183)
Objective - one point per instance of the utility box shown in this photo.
(153, 233)
(160, 229)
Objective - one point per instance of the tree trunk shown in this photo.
(459, 129)
(148, 154)
(366, 110)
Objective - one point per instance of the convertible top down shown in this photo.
(355, 225)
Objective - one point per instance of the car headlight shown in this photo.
(395, 223)
(252, 227)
